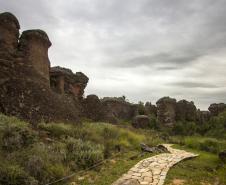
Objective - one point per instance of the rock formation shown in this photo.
(24, 77)
(166, 110)
(202, 116)
(64, 81)
(9, 34)
(185, 111)
(141, 121)
(216, 108)
(93, 108)
(34, 45)
(115, 109)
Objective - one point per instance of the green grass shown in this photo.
(110, 171)
(38, 155)
(47, 152)
(204, 169)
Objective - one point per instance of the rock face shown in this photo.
(64, 81)
(115, 109)
(203, 116)
(216, 108)
(24, 77)
(166, 110)
(34, 45)
(93, 108)
(185, 111)
(141, 121)
(9, 34)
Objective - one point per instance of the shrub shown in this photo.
(15, 134)
(57, 129)
(84, 153)
(15, 175)
(184, 128)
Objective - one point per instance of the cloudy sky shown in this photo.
(143, 49)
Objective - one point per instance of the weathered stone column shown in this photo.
(9, 34)
(34, 46)
(166, 110)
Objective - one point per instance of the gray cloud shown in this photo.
(194, 85)
(143, 49)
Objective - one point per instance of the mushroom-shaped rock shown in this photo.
(141, 121)
(33, 45)
(9, 33)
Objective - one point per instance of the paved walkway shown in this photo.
(153, 170)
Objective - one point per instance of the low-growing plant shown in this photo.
(84, 153)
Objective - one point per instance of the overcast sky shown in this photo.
(143, 49)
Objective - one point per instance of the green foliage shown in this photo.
(204, 169)
(57, 130)
(211, 145)
(184, 128)
(15, 134)
(141, 108)
(83, 153)
(15, 175)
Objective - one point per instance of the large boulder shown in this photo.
(115, 109)
(92, 107)
(166, 111)
(141, 121)
(185, 111)
(216, 108)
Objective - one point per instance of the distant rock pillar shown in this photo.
(166, 111)
(34, 45)
(9, 34)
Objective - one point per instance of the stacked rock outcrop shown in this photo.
(25, 89)
(64, 81)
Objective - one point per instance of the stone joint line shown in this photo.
(153, 170)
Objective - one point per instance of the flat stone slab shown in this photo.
(153, 170)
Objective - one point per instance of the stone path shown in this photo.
(153, 170)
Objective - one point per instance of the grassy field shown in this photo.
(40, 154)
(206, 169)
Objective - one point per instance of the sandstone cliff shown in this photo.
(25, 77)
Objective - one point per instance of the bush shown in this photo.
(184, 128)
(84, 153)
(205, 144)
(15, 175)
(57, 129)
(15, 134)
